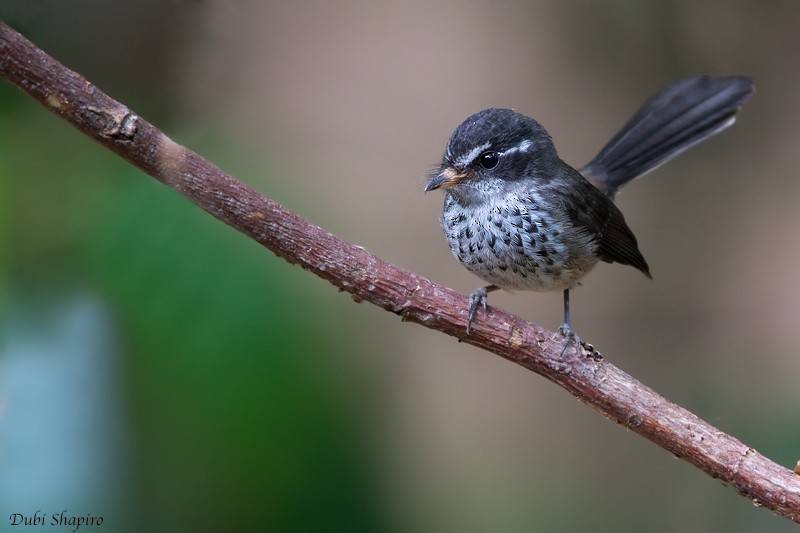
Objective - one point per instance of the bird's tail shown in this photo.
(670, 122)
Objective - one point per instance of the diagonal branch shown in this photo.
(593, 381)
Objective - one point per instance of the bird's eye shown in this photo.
(489, 160)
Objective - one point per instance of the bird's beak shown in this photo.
(446, 177)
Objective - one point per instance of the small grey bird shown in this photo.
(519, 217)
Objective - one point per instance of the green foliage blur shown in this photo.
(236, 413)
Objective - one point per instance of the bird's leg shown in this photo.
(565, 329)
(477, 299)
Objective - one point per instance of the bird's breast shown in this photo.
(517, 242)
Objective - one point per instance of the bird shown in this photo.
(520, 218)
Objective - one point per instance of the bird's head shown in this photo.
(488, 148)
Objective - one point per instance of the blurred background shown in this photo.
(162, 371)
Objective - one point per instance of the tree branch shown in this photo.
(593, 381)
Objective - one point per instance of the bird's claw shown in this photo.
(478, 298)
(570, 336)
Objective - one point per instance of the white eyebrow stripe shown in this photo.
(521, 147)
(464, 161)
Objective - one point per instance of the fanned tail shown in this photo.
(672, 121)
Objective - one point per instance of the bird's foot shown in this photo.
(478, 298)
(580, 345)
(570, 337)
